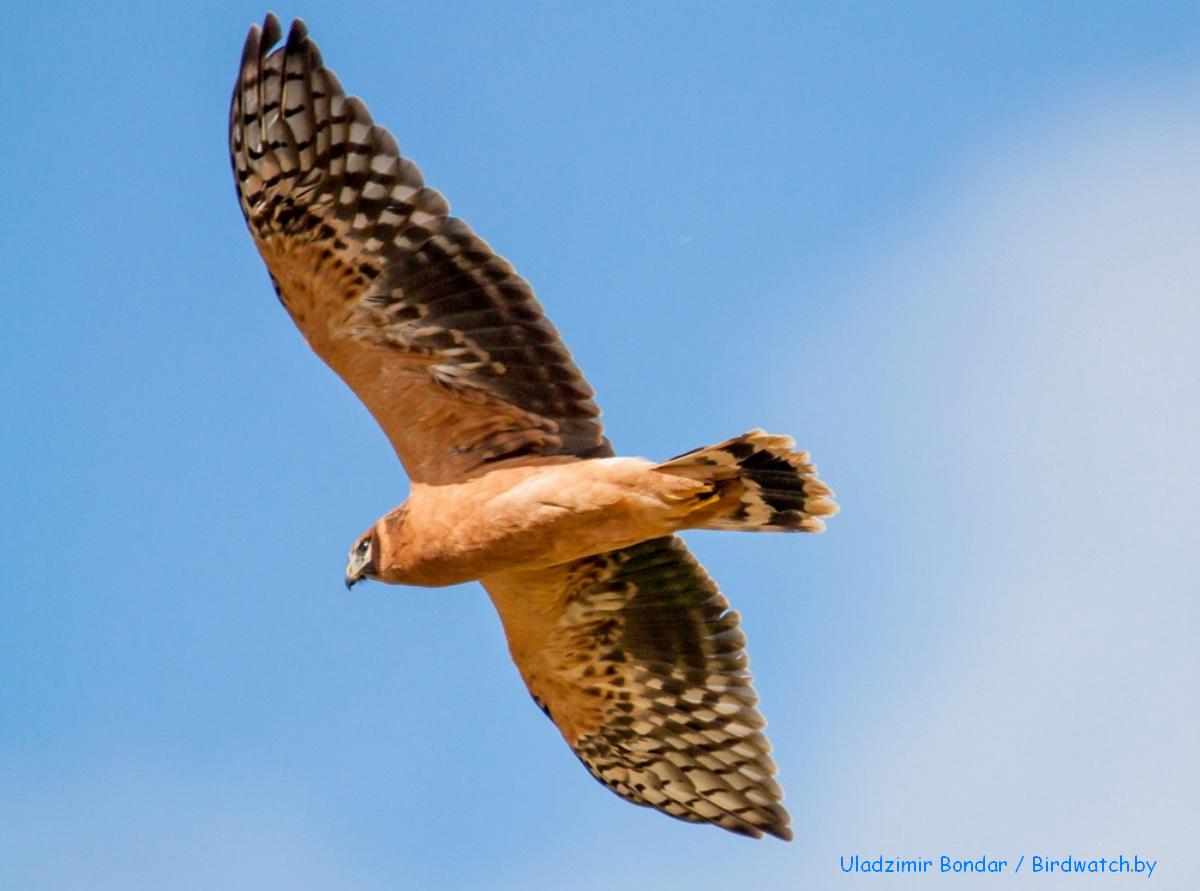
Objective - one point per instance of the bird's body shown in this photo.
(621, 637)
(529, 517)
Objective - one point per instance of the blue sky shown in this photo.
(952, 248)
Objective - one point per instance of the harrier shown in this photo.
(621, 637)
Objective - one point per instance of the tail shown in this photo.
(757, 483)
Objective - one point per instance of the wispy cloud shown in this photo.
(1024, 365)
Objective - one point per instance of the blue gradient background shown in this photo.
(953, 249)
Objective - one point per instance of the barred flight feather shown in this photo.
(363, 255)
(638, 659)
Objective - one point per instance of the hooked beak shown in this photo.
(360, 562)
(356, 571)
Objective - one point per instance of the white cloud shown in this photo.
(1025, 366)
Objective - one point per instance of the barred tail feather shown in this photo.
(763, 485)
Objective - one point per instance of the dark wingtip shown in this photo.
(250, 48)
(271, 30)
(297, 35)
(783, 832)
(298, 45)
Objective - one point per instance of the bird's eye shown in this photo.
(364, 546)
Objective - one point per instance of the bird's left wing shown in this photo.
(637, 658)
(440, 338)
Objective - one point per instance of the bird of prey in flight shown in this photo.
(620, 635)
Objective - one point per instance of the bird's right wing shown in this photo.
(441, 339)
(637, 658)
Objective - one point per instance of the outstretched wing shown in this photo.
(441, 339)
(638, 659)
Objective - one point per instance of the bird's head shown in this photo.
(363, 556)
